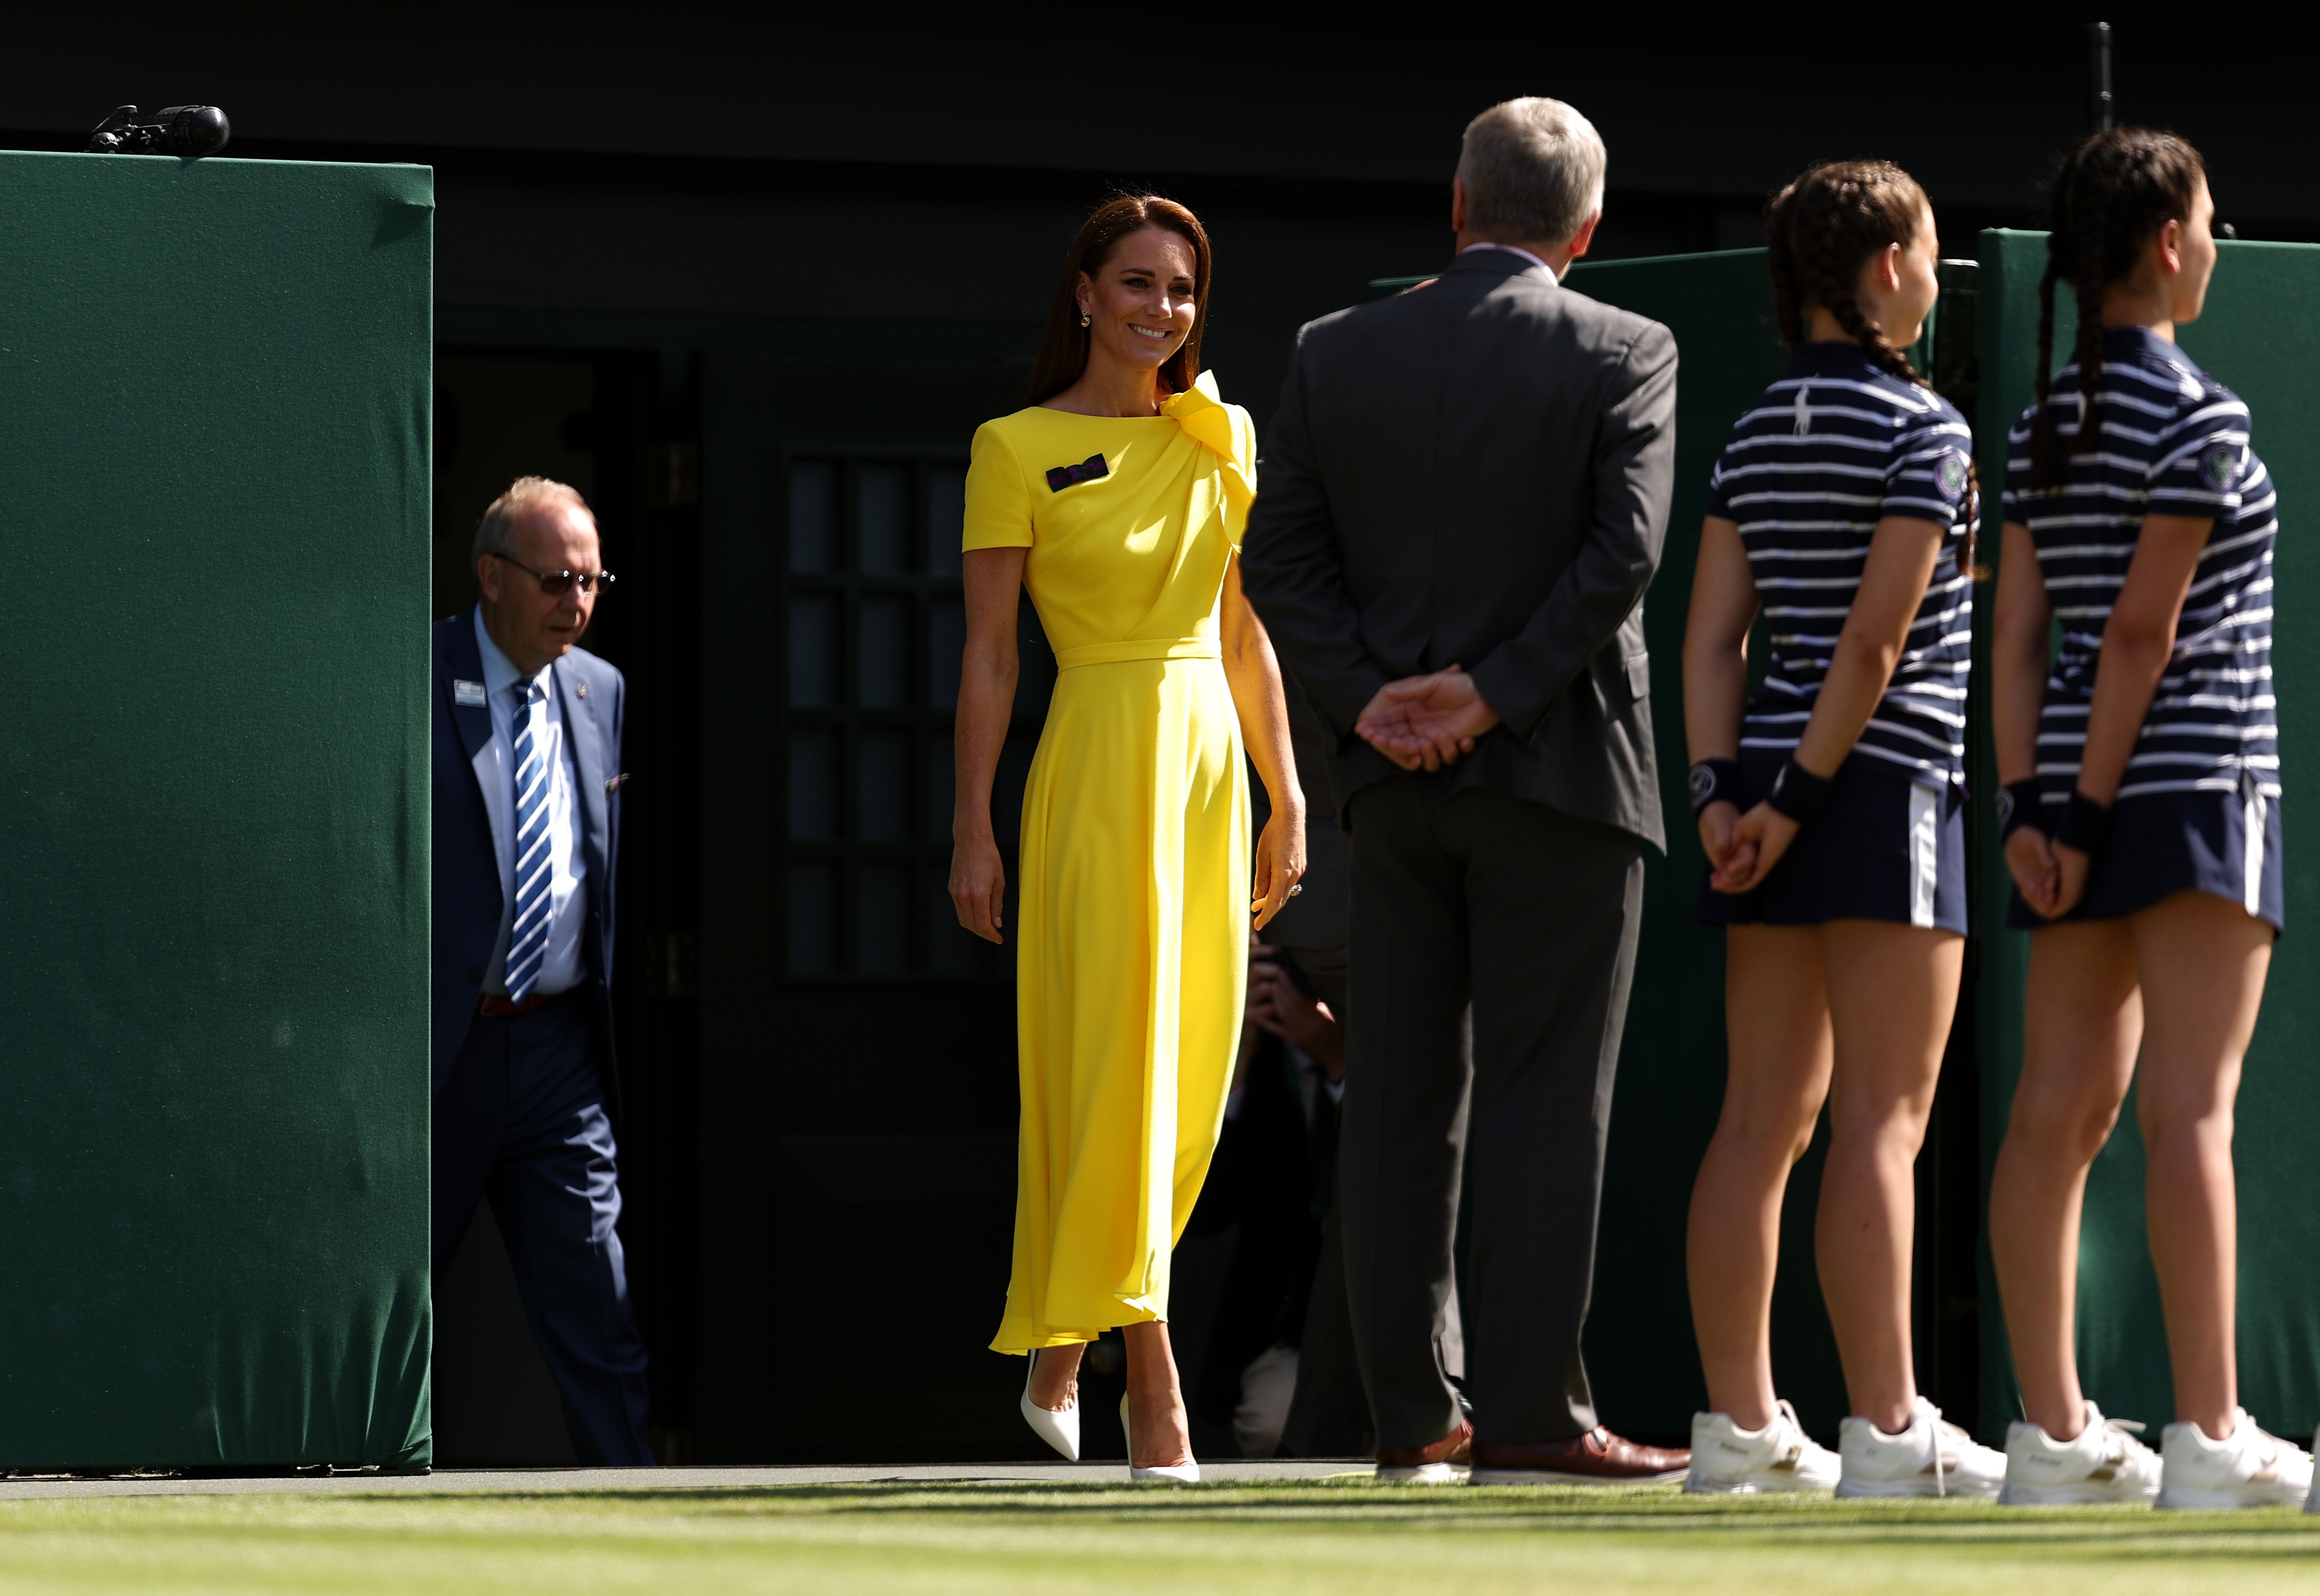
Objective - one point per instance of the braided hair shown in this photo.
(1819, 232)
(2114, 190)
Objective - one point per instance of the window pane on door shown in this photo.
(883, 525)
(884, 659)
(876, 626)
(945, 642)
(942, 777)
(882, 788)
(813, 516)
(813, 786)
(946, 519)
(814, 650)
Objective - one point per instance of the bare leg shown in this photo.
(1159, 1434)
(1776, 1018)
(2203, 961)
(1892, 990)
(2083, 1022)
(1055, 1379)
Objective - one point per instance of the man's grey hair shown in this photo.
(1531, 168)
(496, 533)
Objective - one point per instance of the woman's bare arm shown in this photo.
(2017, 655)
(1724, 604)
(986, 702)
(2137, 643)
(2017, 694)
(1254, 673)
(1902, 554)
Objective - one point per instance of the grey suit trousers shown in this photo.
(1475, 896)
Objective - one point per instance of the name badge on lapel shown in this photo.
(469, 695)
(1088, 470)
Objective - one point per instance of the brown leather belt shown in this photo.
(498, 1007)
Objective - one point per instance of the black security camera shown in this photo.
(174, 130)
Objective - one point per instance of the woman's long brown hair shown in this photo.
(1063, 348)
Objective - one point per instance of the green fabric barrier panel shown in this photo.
(214, 417)
(1641, 1356)
(2261, 324)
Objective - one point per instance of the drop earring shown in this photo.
(1084, 318)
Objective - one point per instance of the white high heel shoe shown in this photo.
(1060, 1430)
(1167, 1474)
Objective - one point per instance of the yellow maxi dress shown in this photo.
(1132, 937)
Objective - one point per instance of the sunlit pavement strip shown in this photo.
(534, 1480)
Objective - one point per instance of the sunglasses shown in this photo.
(557, 584)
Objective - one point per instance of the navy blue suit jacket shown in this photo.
(590, 695)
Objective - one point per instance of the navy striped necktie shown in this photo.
(528, 937)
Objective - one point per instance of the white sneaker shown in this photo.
(1930, 1458)
(2246, 1469)
(2312, 1500)
(2103, 1462)
(1730, 1461)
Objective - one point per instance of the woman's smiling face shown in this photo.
(1139, 303)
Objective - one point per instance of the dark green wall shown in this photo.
(213, 812)
(2260, 325)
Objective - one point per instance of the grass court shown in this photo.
(1340, 1537)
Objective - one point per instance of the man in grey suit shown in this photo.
(1463, 495)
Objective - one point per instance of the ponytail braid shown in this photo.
(2088, 280)
(2112, 192)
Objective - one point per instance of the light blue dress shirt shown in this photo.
(567, 894)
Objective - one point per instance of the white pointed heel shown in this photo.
(1061, 1429)
(1167, 1474)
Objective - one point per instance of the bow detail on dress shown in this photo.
(1215, 426)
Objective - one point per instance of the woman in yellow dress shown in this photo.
(1118, 500)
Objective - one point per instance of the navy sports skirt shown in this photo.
(1889, 845)
(2226, 844)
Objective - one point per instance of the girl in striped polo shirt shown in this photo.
(2140, 818)
(1830, 805)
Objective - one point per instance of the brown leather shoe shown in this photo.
(1442, 1462)
(1599, 1457)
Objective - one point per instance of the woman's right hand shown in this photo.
(978, 885)
(2037, 872)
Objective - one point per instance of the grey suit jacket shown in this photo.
(1477, 473)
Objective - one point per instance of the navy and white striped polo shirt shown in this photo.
(1834, 446)
(2173, 441)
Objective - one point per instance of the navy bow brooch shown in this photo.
(1088, 470)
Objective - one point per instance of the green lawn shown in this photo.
(1339, 1537)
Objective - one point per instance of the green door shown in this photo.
(2261, 324)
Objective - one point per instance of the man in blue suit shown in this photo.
(527, 832)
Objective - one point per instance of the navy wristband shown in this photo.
(1715, 780)
(2086, 824)
(1798, 793)
(2020, 806)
